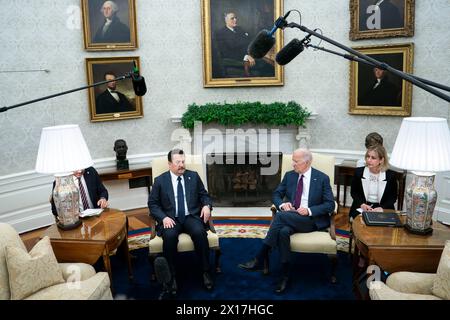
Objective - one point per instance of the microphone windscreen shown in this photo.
(289, 52)
(162, 271)
(263, 42)
(139, 85)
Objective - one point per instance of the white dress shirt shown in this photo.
(114, 94)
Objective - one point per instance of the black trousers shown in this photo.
(283, 225)
(196, 229)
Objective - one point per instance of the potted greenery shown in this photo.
(239, 113)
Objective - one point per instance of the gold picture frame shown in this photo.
(107, 103)
(225, 59)
(391, 18)
(388, 96)
(109, 26)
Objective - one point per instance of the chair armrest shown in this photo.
(411, 282)
(274, 210)
(211, 226)
(74, 270)
(381, 291)
(332, 222)
(152, 226)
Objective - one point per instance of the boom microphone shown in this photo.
(265, 39)
(138, 82)
(291, 50)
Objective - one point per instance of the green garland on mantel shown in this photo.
(238, 113)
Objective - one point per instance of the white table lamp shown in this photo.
(62, 150)
(422, 146)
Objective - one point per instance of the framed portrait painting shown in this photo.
(381, 19)
(228, 27)
(109, 25)
(374, 91)
(114, 100)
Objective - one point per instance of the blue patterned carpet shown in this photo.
(309, 276)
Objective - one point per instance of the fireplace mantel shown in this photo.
(291, 137)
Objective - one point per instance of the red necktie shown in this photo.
(298, 193)
(83, 195)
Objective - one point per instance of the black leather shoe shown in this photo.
(207, 280)
(254, 265)
(282, 285)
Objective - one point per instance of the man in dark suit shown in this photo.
(112, 29)
(305, 200)
(382, 91)
(95, 191)
(111, 100)
(180, 203)
(232, 42)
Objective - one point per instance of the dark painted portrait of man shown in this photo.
(109, 21)
(377, 87)
(234, 24)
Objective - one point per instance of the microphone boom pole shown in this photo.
(357, 59)
(378, 64)
(126, 76)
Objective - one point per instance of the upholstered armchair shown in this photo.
(414, 285)
(36, 275)
(185, 243)
(316, 241)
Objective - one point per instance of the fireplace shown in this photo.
(243, 179)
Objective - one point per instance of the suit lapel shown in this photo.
(90, 185)
(365, 182)
(381, 185)
(169, 188)
(312, 185)
(294, 184)
(187, 187)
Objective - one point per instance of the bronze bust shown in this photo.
(121, 148)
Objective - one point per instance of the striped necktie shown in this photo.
(298, 193)
(180, 200)
(83, 195)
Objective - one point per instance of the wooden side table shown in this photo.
(96, 237)
(395, 249)
(131, 173)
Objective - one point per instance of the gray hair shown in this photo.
(225, 15)
(306, 154)
(113, 5)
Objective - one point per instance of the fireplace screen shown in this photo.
(241, 179)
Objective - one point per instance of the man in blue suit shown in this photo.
(304, 200)
(180, 203)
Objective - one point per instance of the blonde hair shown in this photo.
(382, 154)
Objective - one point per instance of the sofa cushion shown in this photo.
(8, 237)
(33, 271)
(313, 242)
(96, 287)
(184, 242)
(441, 284)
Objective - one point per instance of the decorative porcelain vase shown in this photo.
(420, 202)
(66, 198)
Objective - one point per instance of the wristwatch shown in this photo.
(210, 207)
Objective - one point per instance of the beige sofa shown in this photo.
(91, 285)
(415, 285)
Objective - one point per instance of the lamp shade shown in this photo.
(423, 144)
(62, 149)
